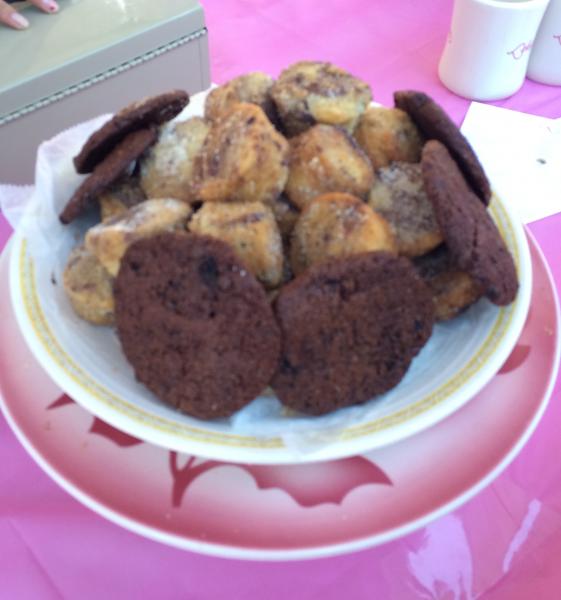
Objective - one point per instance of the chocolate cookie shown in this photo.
(475, 244)
(350, 328)
(154, 110)
(435, 124)
(194, 324)
(107, 172)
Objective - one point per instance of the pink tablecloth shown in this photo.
(52, 547)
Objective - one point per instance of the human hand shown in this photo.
(12, 18)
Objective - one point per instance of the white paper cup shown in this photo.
(488, 47)
(545, 60)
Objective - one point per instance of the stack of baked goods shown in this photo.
(295, 236)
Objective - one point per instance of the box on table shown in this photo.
(92, 58)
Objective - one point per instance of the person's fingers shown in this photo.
(49, 6)
(11, 17)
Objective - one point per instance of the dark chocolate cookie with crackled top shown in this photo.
(195, 325)
(107, 172)
(151, 111)
(350, 328)
(435, 124)
(473, 240)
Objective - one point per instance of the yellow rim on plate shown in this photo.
(72, 370)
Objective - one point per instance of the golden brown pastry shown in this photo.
(387, 135)
(286, 215)
(119, 197)
(89, 287)
(337, 225)
(244, 158)
(326, 159)
(250, 228)
(452, 290)
(109, 240)
(310, 92)
(399, 196)
(253, 88)
(169, 171)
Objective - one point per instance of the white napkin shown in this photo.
(521, 154)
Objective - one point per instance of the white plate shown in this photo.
(87, 362)
(287, 512)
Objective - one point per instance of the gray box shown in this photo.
(92, 58)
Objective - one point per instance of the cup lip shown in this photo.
(514, 5)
